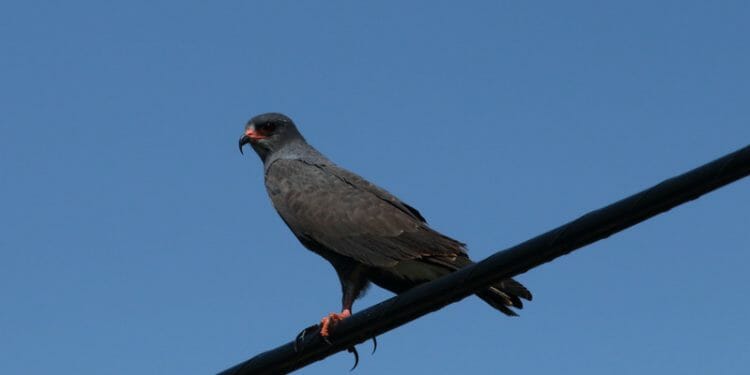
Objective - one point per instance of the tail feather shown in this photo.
(515, 288)
(502, 295)
(506, 294)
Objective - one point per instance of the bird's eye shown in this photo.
(266, 128)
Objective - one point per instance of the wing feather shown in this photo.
(330, 206)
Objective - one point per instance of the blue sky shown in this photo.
(136, 239)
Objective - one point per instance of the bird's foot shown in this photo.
(324, 329)
(329, 321)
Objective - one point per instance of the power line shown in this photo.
(429, 297)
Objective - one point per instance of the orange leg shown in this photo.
(329, 321)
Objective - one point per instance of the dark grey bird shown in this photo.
(365, 232)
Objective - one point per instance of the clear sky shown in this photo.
(135, 239)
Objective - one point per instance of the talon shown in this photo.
(299, 341)
(374, 344)
(353, 350)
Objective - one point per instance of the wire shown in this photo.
(426, 298)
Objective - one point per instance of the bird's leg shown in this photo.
(327, 323)
(353, 281)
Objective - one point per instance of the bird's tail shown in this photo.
(505, 294)
(501, 295)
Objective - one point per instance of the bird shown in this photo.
(366, 233)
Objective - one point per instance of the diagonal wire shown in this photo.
(426, 298)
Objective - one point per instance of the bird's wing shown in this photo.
(329, 206)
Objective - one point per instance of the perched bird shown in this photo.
(365, 232)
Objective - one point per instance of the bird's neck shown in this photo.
(294, 149)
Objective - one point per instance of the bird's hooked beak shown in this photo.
(250, 135)
(243, 141)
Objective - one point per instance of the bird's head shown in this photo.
(269, 132)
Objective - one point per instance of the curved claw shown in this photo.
(299, 341)
(353, 350)
(374, 344)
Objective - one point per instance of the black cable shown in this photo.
(432, 296)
